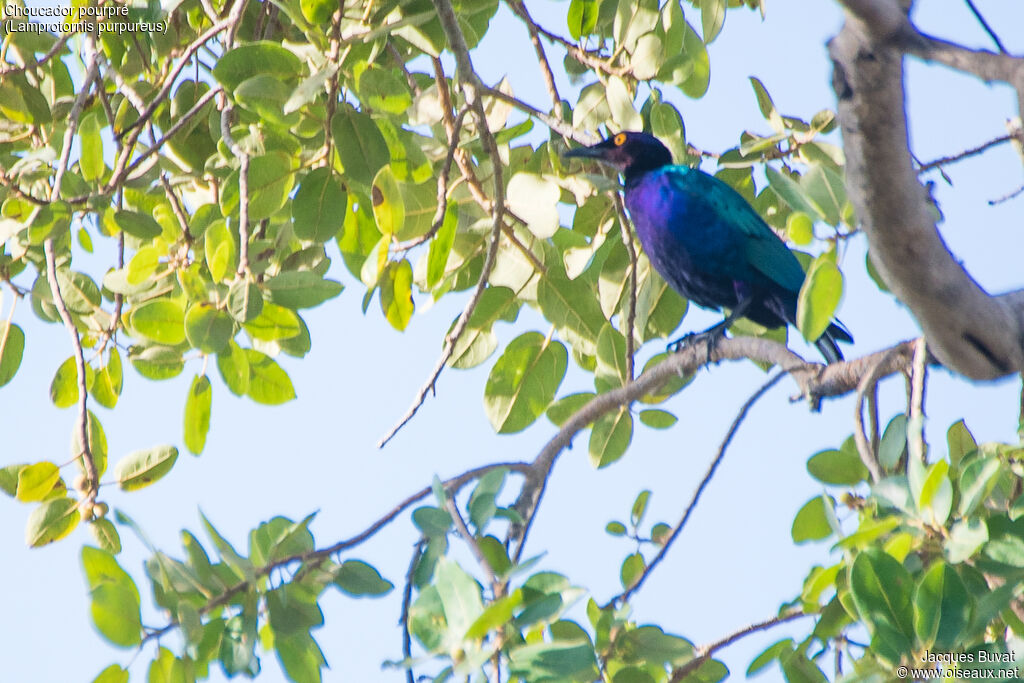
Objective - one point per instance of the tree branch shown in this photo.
(708, 650)
(471, 86)
(971, 332)
(715, 462)
(816, 382)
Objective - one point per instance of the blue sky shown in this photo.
(734, 563)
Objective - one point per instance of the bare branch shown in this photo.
(985, 25)
(227, 110)
(92, 479)
(519, 7)
(816, 382)
(969, 331)
(868, 450)
(973, 151)
(663, 551)
(474, 547)
(470, 83)
(312, 558)
(708, 650)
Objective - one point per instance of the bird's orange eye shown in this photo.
(620, 140)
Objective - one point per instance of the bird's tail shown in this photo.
(827, 342)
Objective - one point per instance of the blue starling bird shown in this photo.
(706, 240)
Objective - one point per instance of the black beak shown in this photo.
(595, 152)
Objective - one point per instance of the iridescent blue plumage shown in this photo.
(706, 240)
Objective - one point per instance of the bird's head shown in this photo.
(629, 152)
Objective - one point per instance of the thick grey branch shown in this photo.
(976, 334)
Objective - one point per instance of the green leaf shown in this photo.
(9, 478)
(648, 57)
(361, 148)
(696, 85)
(139, 469)
(97, 444)
(441, 247)
(108, 381)
(800, 228)
(838, 467)
(790, 192)
(942, 608)
(36, 481)
(811, 522)
(658, 419)
(220, 250)
(51, 521)
(300, 657)
(12, 347)
(610, 437)
(632, 568)
(572, 307)
(64, 387)
(357, 579)
(245, 302)
(103, 530)
(162, 320)
(252, 59)
(882, 590)
(582, 18)
(636, 515)
(265, 96)
(561, 410)
(611, 371)
(318, 210)
(894, 442)
(301, 289)
(91, 161)
(112, 674)
(234, 369)
(965, 538)
(615, 528)
(764, 101)
(197, 414)
(115, 599)
(534, 199)
(388, 204)
(524, 381)
(555, 661)
(460, 596)
(384, 90)
(274, 322)
(396, 293)
(620, 103)
(819, 297)
(269, 384)
(977, 480)
(207, 328)
(270, 180)
(137, 225)
(432, 521)
(958, 438)
(157, 362)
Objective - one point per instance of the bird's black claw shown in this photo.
(708, 337)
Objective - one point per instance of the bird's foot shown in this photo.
(708, 337)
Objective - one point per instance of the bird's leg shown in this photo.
(711, 335)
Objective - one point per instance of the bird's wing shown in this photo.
(765, 252)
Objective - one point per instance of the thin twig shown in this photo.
(973, 151)
(707, 651)
(563, 128)
(624, 596)
(867, 449)
(1007, 197)
(442, 186)
(918, 375)
(227, 111)
(474, 547)
(50, 54)
(88, 464)
(985, 25)
(417, 552)
(176, 208)
(627, 239)
(467, 75)
(313, 558)
(519, 8)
